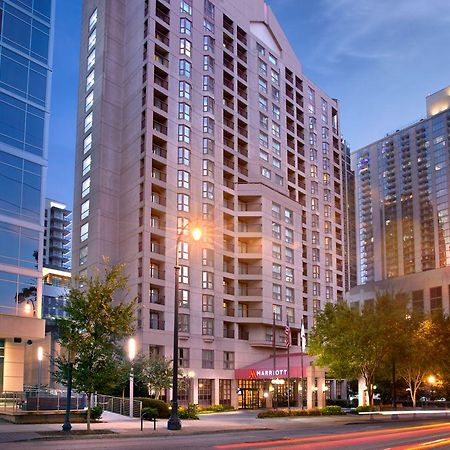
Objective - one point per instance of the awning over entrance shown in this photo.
(264, 370)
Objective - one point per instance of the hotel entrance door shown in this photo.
(251, 394)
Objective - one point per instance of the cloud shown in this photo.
(376, 30)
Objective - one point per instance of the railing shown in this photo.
(119, 405)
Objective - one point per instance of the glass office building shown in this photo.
(25, 72)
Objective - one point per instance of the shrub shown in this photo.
(96, 413)
(275, 413)
(189, 413)
(215, 408)
(159, 405)
(366, 408)
(149, 413)
(331, 410)
(340, 402)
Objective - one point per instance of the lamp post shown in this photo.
(131, 355)
(40, 357)
(431, 380)
(67, 425)
(174, 422)
(191, 375)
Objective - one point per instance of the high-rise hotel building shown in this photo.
(402, 186)
(197, 111)
(26, 29)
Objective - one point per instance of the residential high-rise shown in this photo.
(198, 112)
(402, 211)
(26, 58)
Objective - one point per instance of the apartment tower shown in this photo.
(402, 210)
(26, 29)
(197, 111)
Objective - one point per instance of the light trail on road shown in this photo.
(415, 434)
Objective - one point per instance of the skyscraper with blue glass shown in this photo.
(25, 72)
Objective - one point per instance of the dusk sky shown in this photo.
(379, 58)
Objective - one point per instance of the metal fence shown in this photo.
(118, 405)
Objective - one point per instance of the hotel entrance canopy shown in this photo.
(264, 370)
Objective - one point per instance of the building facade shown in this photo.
(198, 112)
(25, 73)
(402, 186)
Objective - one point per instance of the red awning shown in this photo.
(264, 370)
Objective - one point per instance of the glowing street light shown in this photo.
(131, 356)
(40, 357)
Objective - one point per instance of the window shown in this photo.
(327, 210)
(263, 155)
(275, 129)
(266, 172)
(328, 227)
(90, 61)
(276, 210)
(208, 63)
(275, 94)
(208, 104)
(263, 121)
(184, 297)
(207, 257)
(184, 90)
(272, 59)
(326, 163)
(328, 259)
(325, 148)
(316, 271)
(208, 26)
(207, 359)
(289, 236)
(328, 292)
(184, 134)
(228, 360)
(276, 230)
(185, 47)
(83, 255)
(262, 103)
(88, 122)
(183, 179)
(276, 111)
(316, 255)
(207, 280)
(262, 67)
(86, 187)
(276, 292)
(92, 40)
(209, 9)
(208, 83)
(276, 250)
(290, 295)
(260, 49)
(316, 289)
(87, 143)
(89, 102)
(207, 326)
(186, 6)
(275, 76)
(208, 168)
(289, 275)
(84, 232)
(207, 211)
(207, 303)
(185, 68)
(208, 190)
(208, 125)
(276, 312)
(183, 202)
(327, 195)
(314, 221)
(184, 156)
(208, 44)
(315, 238)
(184, 111)
(328, 243)
(262, 85)
(314, 187)
(436, 298)
(93, 20)
(276, 271)
(90, 79)
(86, 165)
(328, 276)
(289, 216)
(183, 274)
(264, 139)
(185, 26)
(183, 357)
(85, 209)
(276, 147)
(290, 316)
(325, 133)
(313, 154)
(313, 171)
(326, 178)
(289, 255)
(183, 323)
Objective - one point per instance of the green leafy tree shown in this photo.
(155, 372)
(94, 329)
(354, 343)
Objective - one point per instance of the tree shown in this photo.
(418, 357)
(354, 343)
(94, 329)
(155, 372)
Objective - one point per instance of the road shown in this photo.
(407, 435)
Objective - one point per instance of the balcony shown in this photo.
(250, 292)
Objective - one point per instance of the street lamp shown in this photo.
(174, 422)
(40, 357)
(191, 375)
(431, 380)
(131, 355)
(67, 426)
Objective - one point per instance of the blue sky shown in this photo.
(380, 58)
